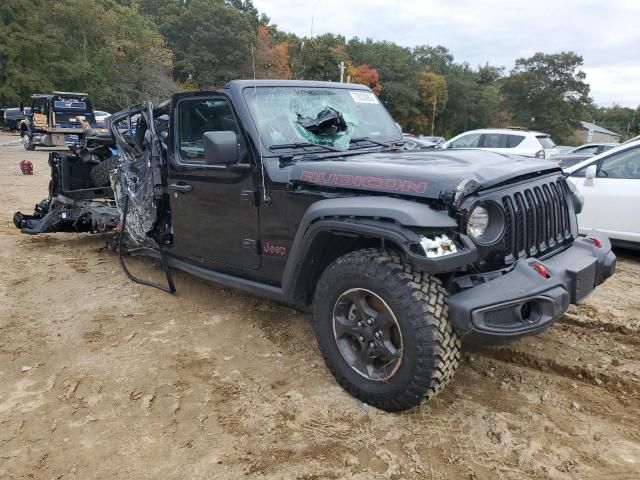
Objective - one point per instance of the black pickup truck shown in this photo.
(13, 116)
(302, 192)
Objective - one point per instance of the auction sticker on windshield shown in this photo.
(363, 97)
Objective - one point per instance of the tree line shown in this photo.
(126, 51)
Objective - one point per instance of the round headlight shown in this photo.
(486, 223)
(478, 222)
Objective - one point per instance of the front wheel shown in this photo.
(383, 329)
(26, 142)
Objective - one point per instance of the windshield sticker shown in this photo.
(364, 97)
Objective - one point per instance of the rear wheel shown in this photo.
(383, 329)
(26, 141)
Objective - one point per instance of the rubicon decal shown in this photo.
(374, 183)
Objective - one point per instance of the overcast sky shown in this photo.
(605, 32)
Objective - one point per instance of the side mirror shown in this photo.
(590, 174)
(220, 148)
(444, 145)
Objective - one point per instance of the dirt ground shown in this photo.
(102, 378)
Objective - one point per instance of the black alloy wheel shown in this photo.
(367, 334)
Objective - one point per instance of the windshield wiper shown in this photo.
(304, 145)
(375, 142)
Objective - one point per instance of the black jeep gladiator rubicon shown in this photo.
(302, 192)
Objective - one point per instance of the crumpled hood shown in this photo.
(428, 174)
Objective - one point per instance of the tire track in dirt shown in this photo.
(613, 382)
(620, 333)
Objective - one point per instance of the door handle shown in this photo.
(181, 187)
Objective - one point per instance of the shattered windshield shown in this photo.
(331, 117)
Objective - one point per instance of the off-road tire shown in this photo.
(100, 174)
(431, 349)
(27, 143)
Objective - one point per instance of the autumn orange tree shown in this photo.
(271, 59)
(365, 75)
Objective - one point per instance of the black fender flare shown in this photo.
(384, 218)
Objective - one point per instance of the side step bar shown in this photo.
(249, 286)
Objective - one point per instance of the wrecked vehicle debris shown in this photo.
(76, 203)
(297, 191)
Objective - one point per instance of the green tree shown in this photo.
(139, 62)
(317, 58)
(100, 46)
(210, 40)
(397, 69)
(548, 93)
(634, 128)
(438, 59)
(28, 48)
(474, 97)
(488, 74)
(403, 102)
(432, 90)
(616, 118)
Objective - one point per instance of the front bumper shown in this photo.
(523, 302)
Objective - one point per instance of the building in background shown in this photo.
(590, 132)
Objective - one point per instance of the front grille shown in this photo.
(537, 218)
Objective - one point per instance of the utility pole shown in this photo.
(433, 117)
(342, 68)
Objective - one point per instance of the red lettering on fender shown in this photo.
(416, 187)
(271, 249)
(373, 183)
(344, 180)
(311, 177)
(391, 184)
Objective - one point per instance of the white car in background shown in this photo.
(610, 186)
(101, 117)
(506, 140)
(593, 148)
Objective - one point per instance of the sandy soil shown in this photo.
(101, 378)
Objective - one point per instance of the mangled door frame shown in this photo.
(139, 186)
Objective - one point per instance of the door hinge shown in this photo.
(251, 245)
(250, 196)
